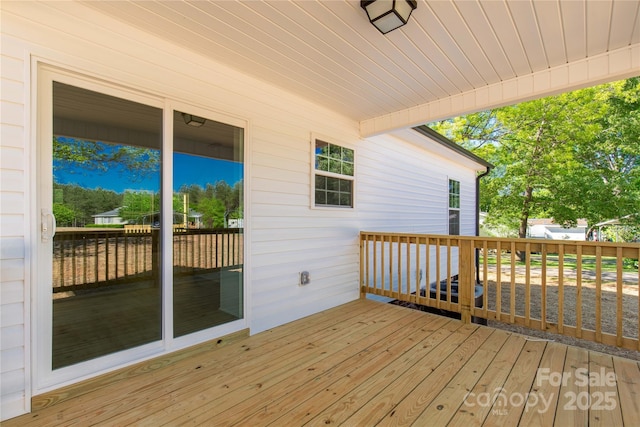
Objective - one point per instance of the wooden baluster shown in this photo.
(74, 276)
(85, 264)
(362, 242)
(127, 254)
(466, 279)
(527, 285)
(427, 272)
(155, 262)
(437, 245)
(561, 289)
(619, 295)
(381, 264)
(408, 294)
(449, 299)
(599, 293)
(499, 280)
(512, 292)
(399, 265)
(485, 279)
(417, 294)
(579, 291)
(543, 288)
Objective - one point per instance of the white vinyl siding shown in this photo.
(14, 297)
(404, 188)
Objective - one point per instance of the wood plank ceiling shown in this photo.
(327, 51)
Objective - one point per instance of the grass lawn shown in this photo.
(570, 262)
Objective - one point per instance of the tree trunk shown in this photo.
(524, 219)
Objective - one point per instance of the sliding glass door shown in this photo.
(207, 224)
(120, 273)
(106, 163)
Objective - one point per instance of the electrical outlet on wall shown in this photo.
(305, 278)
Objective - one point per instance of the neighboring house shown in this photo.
(80, 70)
(547, 229)
(193, 220)
(613, 229)
(109, 217)
(236, 223)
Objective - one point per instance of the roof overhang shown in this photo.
(452, 57)
(427, 139)
(611, 66)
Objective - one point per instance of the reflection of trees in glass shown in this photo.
(212, 211)
(74, 205)
(217, 202)
(81, 156)
(65, 216)
(334, 158)
(140, 207)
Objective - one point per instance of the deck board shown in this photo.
(363, 363)
(473, 409)
(442, 409)
(602, 411)
(628, 382)
(541, 403)
(577, 360)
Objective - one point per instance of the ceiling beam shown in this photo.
(611, 66)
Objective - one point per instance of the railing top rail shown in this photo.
(91, 231)
(506, 239)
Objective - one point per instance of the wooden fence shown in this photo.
(579, 289)
(85, 259)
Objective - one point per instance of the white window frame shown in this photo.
(450, 208)
(44, 378)
(315, 172)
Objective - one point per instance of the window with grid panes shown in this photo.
(333, 175)
(454, 207)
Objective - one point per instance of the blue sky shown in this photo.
(188, 170)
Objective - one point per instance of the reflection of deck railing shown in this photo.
(84, 259)
(579, 289)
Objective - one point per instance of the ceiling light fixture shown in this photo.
(192, 120)
(387, 15)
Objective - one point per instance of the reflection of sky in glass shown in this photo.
(188, 170)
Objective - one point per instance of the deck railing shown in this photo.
(86, 258)
(587, 290)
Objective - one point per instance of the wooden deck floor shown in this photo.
(361, 364)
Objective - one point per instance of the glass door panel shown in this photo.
(106, 251)
(207, 223)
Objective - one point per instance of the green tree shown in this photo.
(612, 159)
(213, 212)
(140, 207)
(230, 197)
(65, 216)
(97, 157)
(472, 131)
(194, 191)
(571, 156)
(84, 202)
(541, 174)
